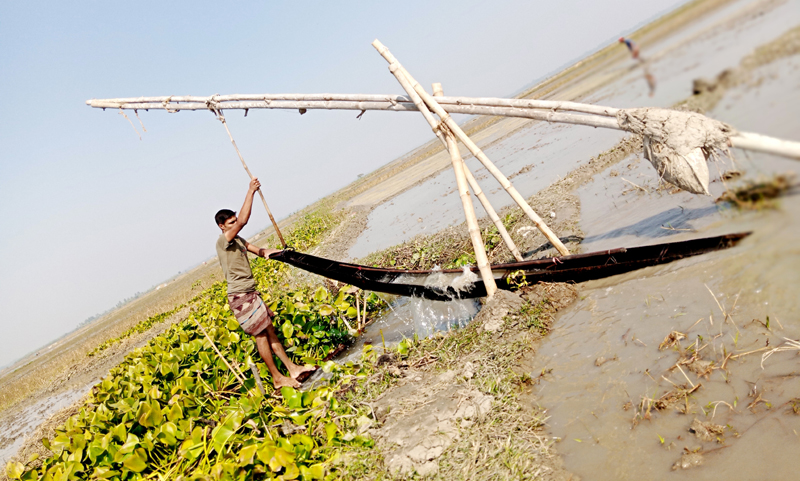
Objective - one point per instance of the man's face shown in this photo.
(228, 224)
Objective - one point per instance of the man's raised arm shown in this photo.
(244, 213)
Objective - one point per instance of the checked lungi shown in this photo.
(250, 310)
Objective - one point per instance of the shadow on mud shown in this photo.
(669, 222)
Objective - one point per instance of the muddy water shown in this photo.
(25, 422)
(626, 318)
(533, 157)
(676, 61)
(536, 155)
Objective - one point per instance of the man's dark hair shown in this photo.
(223, 215)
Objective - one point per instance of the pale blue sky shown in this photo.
(92, 215)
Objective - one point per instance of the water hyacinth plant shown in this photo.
(173, 409)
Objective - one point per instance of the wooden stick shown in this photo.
(547, 116)
(477, 152)
(476, 189)
(235, 372)
(257, 377)
(481, 259)
(269, 212)
(763, 143)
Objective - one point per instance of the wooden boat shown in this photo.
(572, 268)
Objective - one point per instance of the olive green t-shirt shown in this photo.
(233, 259)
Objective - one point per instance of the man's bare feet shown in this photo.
(296, 371)
(279, 382)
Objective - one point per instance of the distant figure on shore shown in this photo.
(648, 76)
(632, 47)
(254, 317)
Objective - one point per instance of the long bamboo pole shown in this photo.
(481, 259)
(178, 102)
(261, 194)
(476, 189)
(457, 105)
(763, 143)
(474, 149)
(236, 372)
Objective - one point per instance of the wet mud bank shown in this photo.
(448, 407)
(689, 369)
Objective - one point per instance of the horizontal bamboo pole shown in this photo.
(453, 127)
(176, 101)
(742, 140)
(547, 116)
(763, 143)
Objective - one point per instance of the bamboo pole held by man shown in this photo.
(474, 149)
(263, 199)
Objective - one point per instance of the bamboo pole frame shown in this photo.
(481, 259)
(487, 206)
(473, 148)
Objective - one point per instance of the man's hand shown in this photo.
(267, 253)
(254, 185)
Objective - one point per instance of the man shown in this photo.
(632, 47)
(253, 315)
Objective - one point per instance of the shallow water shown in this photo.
(625, 318)
(533, 157)
(17, 429)
(725, 38)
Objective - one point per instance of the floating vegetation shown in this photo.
(178, 408)
(137, 329)
(760, 194)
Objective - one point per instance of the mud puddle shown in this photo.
(16, 430)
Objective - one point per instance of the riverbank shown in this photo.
(570, 199)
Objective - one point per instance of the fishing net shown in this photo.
(678, 144)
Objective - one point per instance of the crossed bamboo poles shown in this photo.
(445, 129)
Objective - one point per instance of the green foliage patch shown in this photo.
(173, 410)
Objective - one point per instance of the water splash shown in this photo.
(409, 316)
(430, 316)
